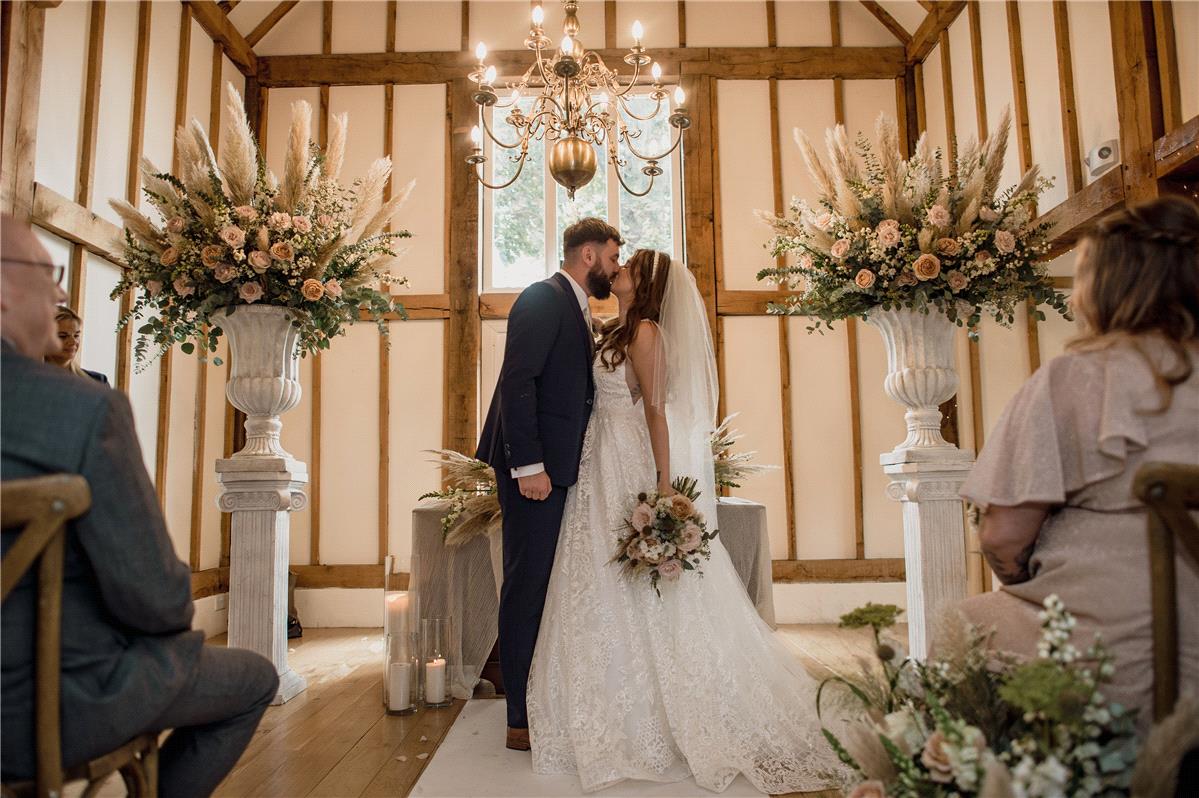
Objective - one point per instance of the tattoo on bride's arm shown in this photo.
(1011, 572)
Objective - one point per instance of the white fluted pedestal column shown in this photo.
(259, 492)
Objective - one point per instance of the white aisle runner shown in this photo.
(472, 761)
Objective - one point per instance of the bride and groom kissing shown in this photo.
(604, 677)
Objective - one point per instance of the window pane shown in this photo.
(590, 200)
(518, 213)
(647, 222)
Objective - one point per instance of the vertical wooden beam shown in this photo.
(87, 143)
(1065, 74)
(682, 23)
(1138, 96)
(199, 427)
(772, 36)
(384, 349)
(834, 14)
(918, 85)
(1167, 63)
(976, 54)
(1024, 147)
(23, 37)
(465, 25)
(947, 92)
(610, 24)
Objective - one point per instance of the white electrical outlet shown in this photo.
(220, 601)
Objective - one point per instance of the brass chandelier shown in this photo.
(580, 106)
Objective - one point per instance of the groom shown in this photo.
(533, 437)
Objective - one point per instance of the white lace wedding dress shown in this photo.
(627, 685)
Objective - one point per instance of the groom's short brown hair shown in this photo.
(589, 231)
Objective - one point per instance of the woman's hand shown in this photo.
(665, 489)
(1008, 537)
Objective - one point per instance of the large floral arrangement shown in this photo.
(970, 722)
(231, 234)
(901, 233)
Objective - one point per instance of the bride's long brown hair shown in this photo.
(648, 288)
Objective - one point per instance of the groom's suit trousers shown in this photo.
(530, 540)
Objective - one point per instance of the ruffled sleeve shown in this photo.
(1076, 423)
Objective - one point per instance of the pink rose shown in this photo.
(175, 225)
(279, 221)
(936, 759)
(869, 789)
(840, 248)
(312, 290)
(153, 287)
(906, 278)
(246, 212)
(333, 288)
(259, 261)
(281, 250)
(670, 570)
(692, 538)
(211, 255)
(183, 286)
(805, 261)
(957, 281)
(823, 221)
(1005, 242)
(888, 233)
(948, 246)
(250, 292)
(233, 236)
(224, 272)
(302, 224)
(938, 216)
(926, 267)
(169, 256)
(325, 220)
(864, 279)
(643, 516)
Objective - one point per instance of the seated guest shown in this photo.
(1055, 477)
(131, 664)
(70, 328)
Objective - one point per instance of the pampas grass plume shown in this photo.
(295, 165)
(336, 151)
(137, 224)
(824, 182)
(239, 154)
(1156, 772)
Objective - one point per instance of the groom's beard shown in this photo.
(598, 284)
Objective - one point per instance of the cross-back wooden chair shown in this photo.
(42, 507)
(1170, 491)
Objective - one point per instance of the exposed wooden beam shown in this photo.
(889, 22)
(747, 303)
(221, 30)
(794, 63)
(1024, 148)
(890, 569)
(929, 33)
(947, 95)
(1138, 96)
(210, 582)
(269, 21)
(610, 24)
(1065, 74)
(384, 453)
(24, 35)
(1070, 219)
(927, 5)
(1167, 63)
(976, 58)
(70, 220)
(464, 15)
(462, 344)
(1177, 152)
(228, 5)
(199, 464)
(701, 201)
(367, 575)
(87, 144)
(682, 8)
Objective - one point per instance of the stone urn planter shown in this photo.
(261, 484)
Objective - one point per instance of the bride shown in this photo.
(627, 685)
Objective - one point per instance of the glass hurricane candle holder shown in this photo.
(435, 661)
(401, 690)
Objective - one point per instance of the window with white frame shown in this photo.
(523, 241)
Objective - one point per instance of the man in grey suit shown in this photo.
(131, 663)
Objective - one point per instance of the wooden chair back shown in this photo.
(1170, 491)
(41, 508)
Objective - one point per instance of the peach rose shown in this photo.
(692, 538)
(936, 759)
(869, 789)
(175, 225)
(211, 255)
(183, 286)
(312, 290)
(888, 233)
(864, 279)
(259, 261)
(643, 516)
(906, 278)
(681, 507)
(948, 246)
(938, 216)
(823, 221)
(670, 570)
(840, 248)
(957, 281)
(250, 292)
(246, 212)
(169, 256)
(324, 220)
(926, 267)
(153, 287)
(1005, 242)
(302, 224)
(233, 236)
(281, 250)
(279, 221)
(333, 288)
(224, 272)
(805, 261)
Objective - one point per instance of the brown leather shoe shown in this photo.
(518, 739)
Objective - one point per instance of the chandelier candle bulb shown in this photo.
(680, 96)
(480, 52)
(656, 71)
(489, 75)
(538, 16)
(638, 32)
(476, 137)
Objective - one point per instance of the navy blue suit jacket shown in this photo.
(543, 398)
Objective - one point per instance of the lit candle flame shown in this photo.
(656, 71)
(567, 46)
(480, 51)
(679, 95)
(489, 75)
(538, 16)
(638, 31)
(476, 137)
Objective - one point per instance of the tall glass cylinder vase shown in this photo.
(436, 664)
(401, 682)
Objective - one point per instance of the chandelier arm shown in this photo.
(520, 168)
(632, 81)
(657, 109)
(678, 138)
(491, 135)
(648, 188)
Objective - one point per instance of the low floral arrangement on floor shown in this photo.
(470, 494)
(970, 722)
(233, 235)
(665, 536)
(892, 232)
(732, 469)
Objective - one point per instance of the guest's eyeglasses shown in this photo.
(58, 271)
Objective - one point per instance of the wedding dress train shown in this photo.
(627, 685)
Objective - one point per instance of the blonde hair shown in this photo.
(66, 314)
(1138, 276)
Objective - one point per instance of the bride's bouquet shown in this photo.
(665, 535)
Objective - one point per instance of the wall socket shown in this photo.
(220, 600)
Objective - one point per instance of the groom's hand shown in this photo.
(535, 486)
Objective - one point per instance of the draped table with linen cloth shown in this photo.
(462, 583)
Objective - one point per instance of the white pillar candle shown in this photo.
(397, 613)
(435, 681)
(399, 689)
